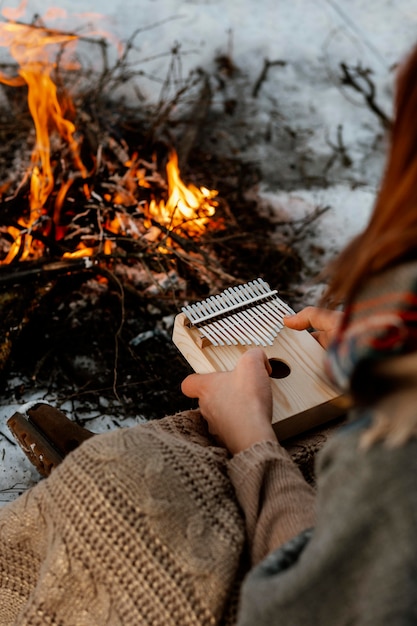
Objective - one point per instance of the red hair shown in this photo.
(391, 234)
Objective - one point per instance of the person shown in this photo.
(203, 518)
(358, 564)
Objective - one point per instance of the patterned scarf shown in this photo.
(381, 323)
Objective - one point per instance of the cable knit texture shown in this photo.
(138, 526)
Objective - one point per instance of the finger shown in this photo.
(321, 338)
(255, 358)
(191, 386)
(195, 384)
(313, 317)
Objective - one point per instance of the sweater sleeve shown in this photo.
(276, 500)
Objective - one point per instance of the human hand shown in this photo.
(237, 405)
(325, 321)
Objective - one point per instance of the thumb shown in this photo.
(192, 386)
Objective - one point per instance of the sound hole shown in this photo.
(279, 368)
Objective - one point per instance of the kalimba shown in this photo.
(214, 333)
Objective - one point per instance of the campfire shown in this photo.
(102, 238)
(76, 206)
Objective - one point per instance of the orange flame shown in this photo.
(31, 48)
(185, 203)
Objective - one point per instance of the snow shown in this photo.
(292, 123)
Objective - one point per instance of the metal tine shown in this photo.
(237, 331)
(201, 308)
(259, 286)
(222, 325)
(264, 337)
(205, 307)
(237, 328)
(218, 332)
(216, 303)
(238, 320)
(240, 324)
(207, 332)
(261, 331)
(257, 332)
(223, 334)
(261, 310)
(241, 293)
(191, 312)
(250, 329)
(272, 314)
(275, 304)
(212, 306)
(282, 306)
(229, 331)
(277, 315)
(213, 331)
(251, 336)
(272, 331)
(271, 323)
(270, 318)
(246, 294)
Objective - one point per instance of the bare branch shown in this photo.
(263, 75)
(359, 78)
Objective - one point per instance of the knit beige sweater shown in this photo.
(143, 526)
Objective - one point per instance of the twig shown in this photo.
(339, 151)
(197, 117)
(113, 278)
(359, 79)
(53, 32)
(263, 75)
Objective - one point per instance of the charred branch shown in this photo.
(18, 273)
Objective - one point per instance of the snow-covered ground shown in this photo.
(299, 120)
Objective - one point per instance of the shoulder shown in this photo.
(359, 556)
(346, 469)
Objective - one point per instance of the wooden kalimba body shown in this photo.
(214, 333)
